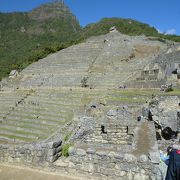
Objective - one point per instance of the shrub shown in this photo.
(65, 149)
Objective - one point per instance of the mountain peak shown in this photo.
(54, 9)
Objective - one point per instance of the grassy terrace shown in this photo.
(137, 95)
(30, 123)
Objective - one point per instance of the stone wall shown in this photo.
(164, 111)
(111, 165)
(36, 153)
(110, 133)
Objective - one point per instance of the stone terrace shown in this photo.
(47, 93)
(79, 94)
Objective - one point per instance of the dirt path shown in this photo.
(17, 173)
(143, 142)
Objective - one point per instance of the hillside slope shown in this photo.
(26, 37)
(29, 36)
(126, 26)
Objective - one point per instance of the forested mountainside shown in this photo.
(28, 36)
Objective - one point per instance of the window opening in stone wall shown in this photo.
(174, 71)
(156, 71)
(103, 130)
(146, 72)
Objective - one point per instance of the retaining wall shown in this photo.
(110, 165)
(41, 153)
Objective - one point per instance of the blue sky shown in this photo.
(162, 14)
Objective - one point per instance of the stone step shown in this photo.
(12, 138)
(46, 102)
(56, 99)
(33, 121)
(20, 134)
(76, 71)
(45, 119)
(27, 124)
(45, 109)
(40, 112)
(31, 113)
(23, 129)
(61, 66)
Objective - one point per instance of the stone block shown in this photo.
(112, 113)
(143, 158)
(129, 158)
(57, 144)
(50, 145)
(81, 152)
(101, 153)
(112, 154)
(61, 163)
(91, 151)
(71, 165)
(22, 151)
(51, 159)
(88, 167)
(154, 157)
(122, 173)
(51, 152)
(44, 145)
(58, 149)
(71, 151)
(139, 176)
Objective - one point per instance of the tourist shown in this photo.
(173, 171)
(165, 157)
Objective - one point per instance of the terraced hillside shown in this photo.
(46, 96)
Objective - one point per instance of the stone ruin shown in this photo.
(159, 73)
(112, 132)
(122, 145)
(114, 146)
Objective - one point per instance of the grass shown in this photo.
(175, 92)
(65, 149)
(127, 99)
(19, 132)
(13, 137)
(137, 95)
(66, 138)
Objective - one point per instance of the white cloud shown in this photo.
(170, 31)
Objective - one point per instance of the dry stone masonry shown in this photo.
(82, 102)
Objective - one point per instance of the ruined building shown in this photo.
(71, 103)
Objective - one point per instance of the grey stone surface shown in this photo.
(30, 153)
(129, 158)
(143, 158)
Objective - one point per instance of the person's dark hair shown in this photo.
(169, 149)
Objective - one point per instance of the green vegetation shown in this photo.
(137, 95)
(65, 149)
(66, 138)
(126, 26)
(25, 39)
(28, 37)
